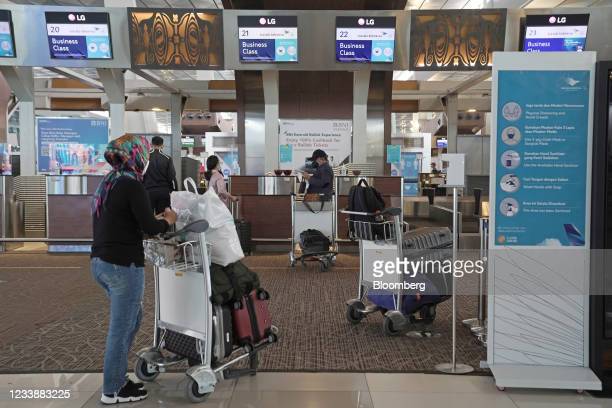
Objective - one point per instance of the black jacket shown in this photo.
(160, 173)
(321, 181)
(126, 215)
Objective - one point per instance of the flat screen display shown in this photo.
(7, 39)
(365, 39)
(78, 35)
(442, 143)
(560, 32)
(268, 38)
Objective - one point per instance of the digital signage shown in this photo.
(7, 39)
(78, 35)
(365, 39)
(565, 32)
(268, 38)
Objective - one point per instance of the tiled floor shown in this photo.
(306, 390)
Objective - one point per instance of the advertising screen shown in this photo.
(71, 145)
(78, 35)
(268, 38)
(7, 39)
(555, 33)
(365, 39)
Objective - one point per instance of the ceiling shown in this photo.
(410, 4)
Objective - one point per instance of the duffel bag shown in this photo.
(231, 282)
(313, 240)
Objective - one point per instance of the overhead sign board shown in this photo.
(365, 39)
(78, 35)
(560, 32)
(176, 38)
(268, 38)
(7, 37)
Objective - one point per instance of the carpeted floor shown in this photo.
(54, 318)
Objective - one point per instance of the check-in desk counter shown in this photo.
(390, 188)
(265, 201)
(69, 206)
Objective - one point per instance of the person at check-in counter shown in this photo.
(121, 215)
(216, 181)
(320, 176)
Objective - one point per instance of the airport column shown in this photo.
(114, 87)
(177, 103)
(452, 107)
(361, 87)
(270, 91)
(21, 80)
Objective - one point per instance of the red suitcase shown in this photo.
(251, 318)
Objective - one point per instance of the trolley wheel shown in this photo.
(580, 392)
(272, 338)
(500, 388)
(353, 312)
(193, 392)
(141, 369)
(389, 327)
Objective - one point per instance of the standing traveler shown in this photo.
(216, 181)
(121, 214)
(320, 177)
(159, 177)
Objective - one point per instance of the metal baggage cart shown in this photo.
(183, 306)
(320, 216)
(383, 240)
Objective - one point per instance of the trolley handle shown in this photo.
(392, 211)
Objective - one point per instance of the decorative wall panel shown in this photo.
(176, 38)
(456, 40)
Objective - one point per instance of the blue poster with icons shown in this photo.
(541, 158)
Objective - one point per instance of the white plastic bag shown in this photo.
(213, 210)
(225, 244)
(185, 204)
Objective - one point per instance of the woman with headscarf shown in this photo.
(121, 214)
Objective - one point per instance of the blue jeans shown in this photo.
(124, 286)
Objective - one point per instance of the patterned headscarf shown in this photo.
(128, 156)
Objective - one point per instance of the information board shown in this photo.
(71, 145)
(565, 32)
(541, 158)
(268, 38)
(78, 35)
(7, 38)
(365, 39)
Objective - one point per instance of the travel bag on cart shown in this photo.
(243, 228)
(223, 339)
(314, 241)
(229, 283)
(363, 198)
(251, 317)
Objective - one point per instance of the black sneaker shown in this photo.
(129, 393)
(138, 385)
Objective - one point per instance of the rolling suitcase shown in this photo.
(243, 228)
(251, 318)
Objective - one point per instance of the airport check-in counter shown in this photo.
(47, 208)
(265, 201)
(390, 187)
(69, 206)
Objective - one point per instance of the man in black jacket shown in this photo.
(159, 177)
(320, 179)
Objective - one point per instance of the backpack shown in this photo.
(314, 241)
(363, 198)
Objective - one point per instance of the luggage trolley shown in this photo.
(184, 315)
(385, 235)
(383, 240)
(320, 216)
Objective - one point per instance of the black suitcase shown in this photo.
(313, 241)
(243, 228)
(186, 346)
